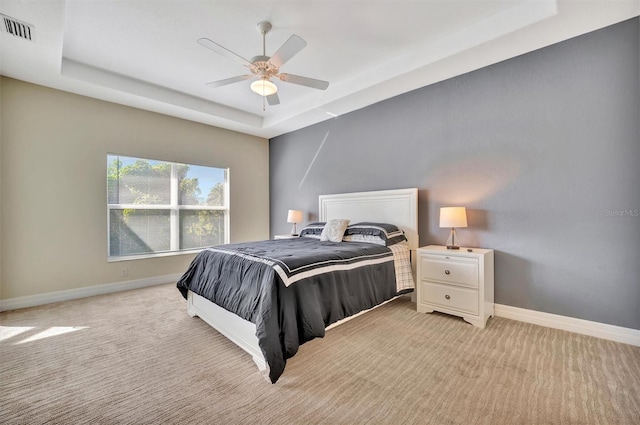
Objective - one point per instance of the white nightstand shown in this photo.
(458, 282)
(285, 236)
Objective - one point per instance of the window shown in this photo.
(157, 207)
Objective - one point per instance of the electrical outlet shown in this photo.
(124, 272)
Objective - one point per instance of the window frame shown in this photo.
(174, 209)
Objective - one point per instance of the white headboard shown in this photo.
(399, 207)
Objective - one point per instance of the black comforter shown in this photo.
(292, 288)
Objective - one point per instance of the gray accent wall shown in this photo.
(543, 150)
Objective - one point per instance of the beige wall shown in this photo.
(53, 216)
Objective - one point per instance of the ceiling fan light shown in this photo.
(264, 87)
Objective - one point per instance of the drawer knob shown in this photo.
(447, 272)
(447, 297)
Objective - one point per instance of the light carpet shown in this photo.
(136, 357)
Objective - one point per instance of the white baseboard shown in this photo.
(571, 324)
(87, 291)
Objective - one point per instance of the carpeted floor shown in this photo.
(137, 358)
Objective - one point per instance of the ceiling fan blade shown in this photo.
(220, 83)
(273, 99)
(304, 81)
(288, 50)
(222, 50)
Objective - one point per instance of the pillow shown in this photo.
(365, 238)
(389, 233)
(334, 230)
(312, 230)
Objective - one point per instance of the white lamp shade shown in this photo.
(453, 217)
(294, 216)
(264, 87)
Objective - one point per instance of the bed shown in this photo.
(267, 303)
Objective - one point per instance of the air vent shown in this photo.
(17, 28)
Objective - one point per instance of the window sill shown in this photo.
(148, 256)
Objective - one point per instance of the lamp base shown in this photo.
(453, 238)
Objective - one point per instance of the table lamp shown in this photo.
(295, 217)
(453, 217)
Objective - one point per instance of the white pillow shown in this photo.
(334, 230)
(365, 238)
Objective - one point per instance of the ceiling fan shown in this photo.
(263, 67)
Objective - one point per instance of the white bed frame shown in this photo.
(399, 207)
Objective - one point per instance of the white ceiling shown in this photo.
(143, 53)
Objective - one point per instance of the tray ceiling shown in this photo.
(144, 53)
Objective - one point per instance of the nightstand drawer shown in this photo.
(457, 271)
(460, 299)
